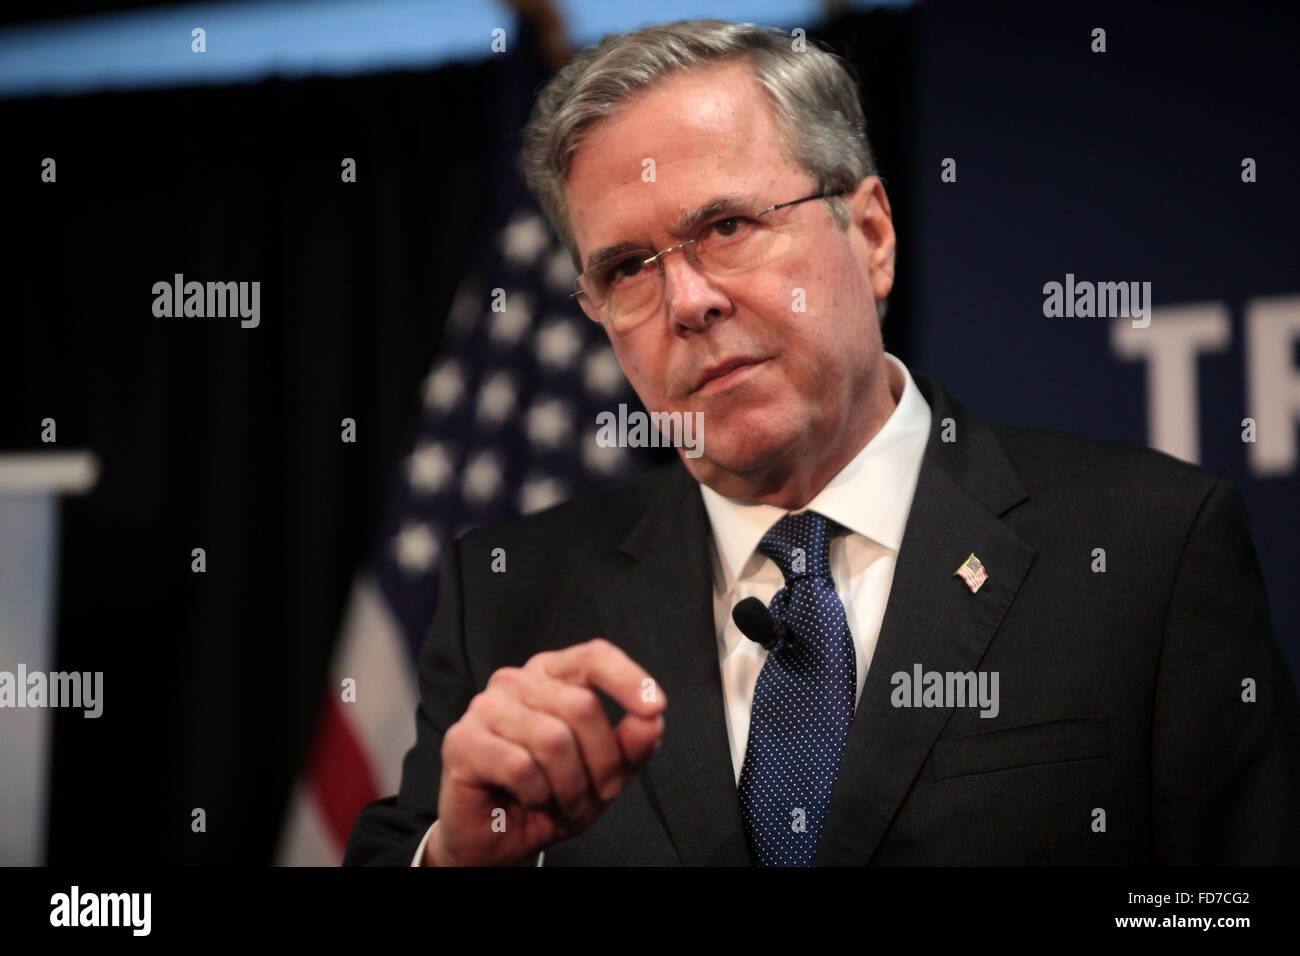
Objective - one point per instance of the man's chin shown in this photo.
(729, 458)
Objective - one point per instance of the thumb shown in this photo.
(638, 737)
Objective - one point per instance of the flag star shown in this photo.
(429, 467)
(560, 272)
(507, 327)
(600, 459)
(548, 423)
(444, 386)
(524, 239)
(482, 476)
(496, 398)
(559, 344)
(416, 547)
(601, 372)
(539, 492)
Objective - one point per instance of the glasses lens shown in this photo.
(631, 300)
(621, 290)
(741, 244)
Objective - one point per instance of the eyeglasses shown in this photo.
(622, 292)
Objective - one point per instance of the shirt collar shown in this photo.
(870, 496)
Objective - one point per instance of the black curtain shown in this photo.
(226, 438)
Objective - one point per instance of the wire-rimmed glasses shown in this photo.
(622, 291)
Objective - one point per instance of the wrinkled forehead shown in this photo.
(644, 172)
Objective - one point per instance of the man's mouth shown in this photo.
(723, 374)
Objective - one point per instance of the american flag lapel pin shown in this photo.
(972, 572)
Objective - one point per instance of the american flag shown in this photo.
(973, 573)
(507, 427)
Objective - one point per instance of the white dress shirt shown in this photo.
(871, 496)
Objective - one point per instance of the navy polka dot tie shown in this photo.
(803, 702)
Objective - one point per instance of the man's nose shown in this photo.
(693, 299)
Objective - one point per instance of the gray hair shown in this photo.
(813, 93)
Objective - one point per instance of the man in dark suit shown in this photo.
(982, 643)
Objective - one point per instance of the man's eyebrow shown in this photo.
(686, 224)
(601, 256)
(691, 220)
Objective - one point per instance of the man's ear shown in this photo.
(871, 216)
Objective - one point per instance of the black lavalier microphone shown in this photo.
(756, 623)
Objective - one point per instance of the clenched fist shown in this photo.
(536, 744)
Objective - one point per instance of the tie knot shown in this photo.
(800, 544)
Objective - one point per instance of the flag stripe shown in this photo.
(305, 840)
(340, 775)
(373, 652)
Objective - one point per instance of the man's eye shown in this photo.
(623, 269)
(730, 227)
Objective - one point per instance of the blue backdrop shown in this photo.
(1123, 165)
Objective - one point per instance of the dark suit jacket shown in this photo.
(1121, 692)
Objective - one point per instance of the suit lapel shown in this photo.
(931, 618)
(659, 609)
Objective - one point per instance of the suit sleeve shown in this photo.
(388, 831)
(1226, 771)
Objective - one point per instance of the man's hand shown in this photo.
(536, 744)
